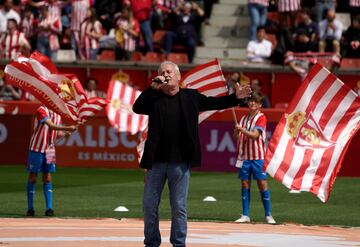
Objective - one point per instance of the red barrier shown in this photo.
(97, 145)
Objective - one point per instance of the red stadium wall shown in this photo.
(97, 145)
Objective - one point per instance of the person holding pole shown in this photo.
(42, 155)
(251, 132)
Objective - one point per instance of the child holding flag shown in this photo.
(251, 132)
(42, 155)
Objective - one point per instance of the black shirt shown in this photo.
(173, 137)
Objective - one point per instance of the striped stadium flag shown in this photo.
(61, 93)
(309, 143)
(208, 79)
(121, 97)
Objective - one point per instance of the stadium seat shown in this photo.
(350, 63)
(178, 58)
(136, 56)
(154, 57)
(158, 39)
(107, 55)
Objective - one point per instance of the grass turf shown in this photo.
(93, 192)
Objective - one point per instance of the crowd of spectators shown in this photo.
(88, 27)
(304, 31)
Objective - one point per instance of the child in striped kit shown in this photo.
(251, 132)
(42, 155)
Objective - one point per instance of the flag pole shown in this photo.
(234, 115)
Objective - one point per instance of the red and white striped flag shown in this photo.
(208, 79)
(309, 143)
(61, 93)
(121, 98)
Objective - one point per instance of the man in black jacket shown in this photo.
(173, 146)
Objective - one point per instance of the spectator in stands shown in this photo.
(288, 9)
(54, 7)
(208, 6)
(354, 8)
(142, 11)
(13, 42)
(105, 10)
(284, 43)
(48, 30)
(352, 39)
(8, 92)
(78, 14)
(308, 25)
(7, 12)
(322, 7)
(127, 32)
(303, 44)
(259, 50)
(330, 31)
(91, 89)
(256, 86)
(231, 80)
(258, 14)
(186, 17)
(90, 33)
(29, 25)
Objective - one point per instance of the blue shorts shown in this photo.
(37, 163)
(253, 167)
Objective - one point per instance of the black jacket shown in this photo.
(192, 102)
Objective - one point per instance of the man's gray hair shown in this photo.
(175, 66)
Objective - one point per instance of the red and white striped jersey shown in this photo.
(53, 27)
(78, 13)
(354, 3)
(88, 42)
(129, 41)
(250, 149)
(53, 8)
(42, 135)
(11, 43)
(28, 26)
(288, 5)
(260, 2)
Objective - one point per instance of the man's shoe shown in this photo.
(270, 220)
(49, 212)
(243, 219)
(30, 212)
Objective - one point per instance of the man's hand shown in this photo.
(243, 91)
(157, 82)
(72, 128)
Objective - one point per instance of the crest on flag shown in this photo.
(306, 131)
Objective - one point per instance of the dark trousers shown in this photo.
(189, 42)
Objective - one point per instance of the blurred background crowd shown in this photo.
(280, 32)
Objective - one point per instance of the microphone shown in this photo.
(159, 80)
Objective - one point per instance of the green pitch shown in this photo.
(95, 193)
